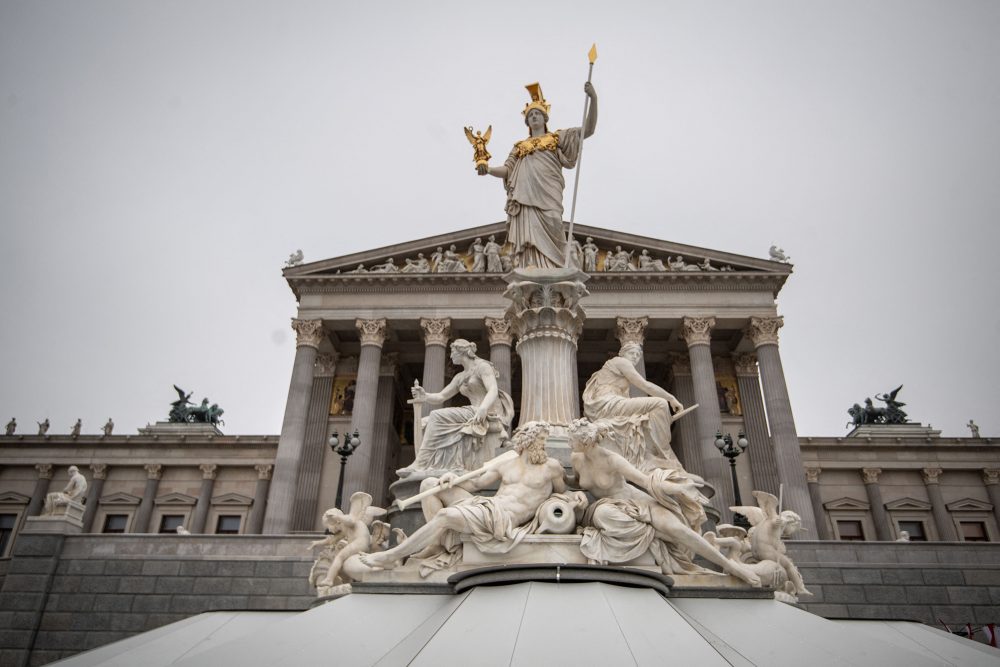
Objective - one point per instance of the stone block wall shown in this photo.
(91, 590)
(956, 582)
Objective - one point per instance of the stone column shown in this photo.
(208, 473)
(359, 466)
(547, 318)
(436, 334)
(385, 438)
(501, 338)
(314, 444)
(145, 512)
(99, 472)
(883, 529)
(942, 519)
(633, 330)
(255, 522)
(761, 451)
(697, 333)
(991, 478)
(281, 502)
(41, 489)
(763, 332)
(686, 445)
(822, 523)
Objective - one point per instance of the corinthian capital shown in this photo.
(44, 470)
(745, 364)
(308, 333)
(208, 470)
(372, 331)
(325, 366)
(499, 330)
(437, 331)
(764, 330)
(100, 470)
(991, 476)
(812, 475)
(264, 471)
(870, 475)
(697, 330)
(631, 330)
(931, 475)
(153, 471)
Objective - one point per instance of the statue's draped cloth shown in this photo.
(535, 186)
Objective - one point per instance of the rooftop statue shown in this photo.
(532, 176)
(294, 259)
(892, 413)
(200, 414)
(418, 265)
(494, 261)
(75, 431)
(12, 426)
(973, 426)
(108, 427)
(778, 255)
(43, 427)
(453, 437)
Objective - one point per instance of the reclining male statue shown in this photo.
(497, 523)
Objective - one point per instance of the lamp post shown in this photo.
(351, 442)
(725, 445)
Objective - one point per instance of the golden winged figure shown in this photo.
(479, 140)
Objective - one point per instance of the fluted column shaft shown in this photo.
(787, 455)
(501, 338)
(761, 451)
(686, 445)
(99, 473)
(708, 419)
(822, 521)
(145, 512)
(306, 509)
(385, 401)
(436, 334)
(942, 519)
(255, 522)
(208, 472)
(41, 489)
(883, 528)
(991, 478)
(281, 501)
(365, 401)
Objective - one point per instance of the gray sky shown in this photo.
(159, 160)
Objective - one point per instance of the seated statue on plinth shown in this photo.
(74, 492)
(641, 425)
(454, 438)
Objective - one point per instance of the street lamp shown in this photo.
(351, 442)
(725, 445)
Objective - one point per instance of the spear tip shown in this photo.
(593, 53)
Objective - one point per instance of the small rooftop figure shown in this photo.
(75, 431)
(43, 427)
(181, 530)
(973, 426)
(108, 427)
(904, 536)
(778, 255)
(294, 259)
(12, 426)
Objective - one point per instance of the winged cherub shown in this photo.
(768, 527)
(350, 533)
(479, 140)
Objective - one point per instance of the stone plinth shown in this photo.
(66, 519)
(893, 431)
(547, 318)
(174, 429)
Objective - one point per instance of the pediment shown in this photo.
(363, 266)
(847, 504)
(120, 498)
(908, 504)
(233, 499)
(14, 498)
(969, 505)
(175, 498)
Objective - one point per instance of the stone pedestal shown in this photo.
(175, 429)
(547, 318)
(66, 519)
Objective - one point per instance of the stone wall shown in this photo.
(61, 595)
(956, 582)
(102, 588)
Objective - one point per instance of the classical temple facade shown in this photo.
(371, 324)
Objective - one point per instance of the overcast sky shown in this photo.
(160, 160)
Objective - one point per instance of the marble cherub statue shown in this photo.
(350, 534)
(768, 528)
(75, 490)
